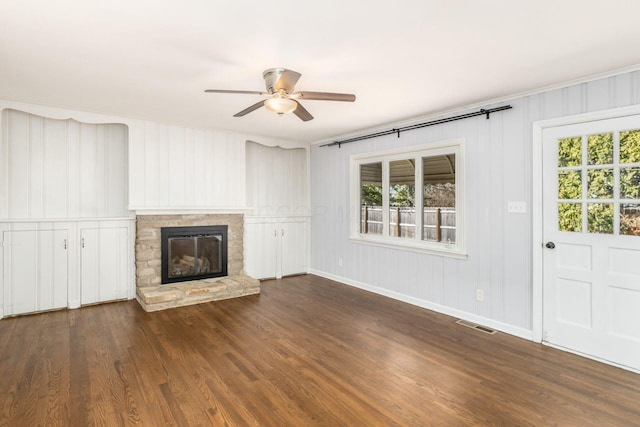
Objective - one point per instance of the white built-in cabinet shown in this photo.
(66, 232)
(276, 228)
(35, 267)
(104, 255)
(275, 247)
(48, 265)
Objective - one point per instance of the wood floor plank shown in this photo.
(305, 352)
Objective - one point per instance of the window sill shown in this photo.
(411, 245)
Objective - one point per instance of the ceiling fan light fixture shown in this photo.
(280, 105)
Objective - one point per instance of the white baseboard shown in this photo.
(459, 314)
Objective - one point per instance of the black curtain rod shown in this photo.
(418, 126)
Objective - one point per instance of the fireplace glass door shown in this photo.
(192, 256)
(192, 253)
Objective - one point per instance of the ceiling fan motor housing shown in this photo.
(271, 77)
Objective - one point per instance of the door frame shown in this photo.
(537, 208)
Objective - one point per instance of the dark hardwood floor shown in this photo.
(306, 352)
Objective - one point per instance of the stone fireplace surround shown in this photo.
(153, 296)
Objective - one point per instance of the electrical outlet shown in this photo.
(340, 262)
(479, 295)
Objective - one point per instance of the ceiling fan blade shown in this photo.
(249, 109)
(245, 92)
(287, 81)
(302, 113)
(326, 96)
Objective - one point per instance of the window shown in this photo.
(589, 200)
(411, 198)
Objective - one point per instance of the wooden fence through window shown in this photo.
(439, 224)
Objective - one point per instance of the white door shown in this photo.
(591, 227)
(260, 249)
(35, 270)
(293, 247)
(104, 264)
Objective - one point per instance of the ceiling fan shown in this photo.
(282, 99)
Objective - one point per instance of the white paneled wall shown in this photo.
(498, 170)
(176, 167)
(61, 169)
(277, 181)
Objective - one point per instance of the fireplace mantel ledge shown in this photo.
(189, 211)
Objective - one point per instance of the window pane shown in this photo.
(600, 218)
(371, 198)
(402, 197)
(570, 217)
(569, 185)
(630, 219)
(630, 183)
(600, 184)
(630, 146)
(439, 216)
(570, 151)
(600, 149)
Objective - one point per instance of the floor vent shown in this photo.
(475, 326)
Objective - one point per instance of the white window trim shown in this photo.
(453, 146)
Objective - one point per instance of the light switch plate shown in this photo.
(517, 207)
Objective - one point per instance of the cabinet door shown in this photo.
(34, 270)
(104, 273)
(260, 254)
(293, 249)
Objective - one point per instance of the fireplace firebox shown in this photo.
(193, 253)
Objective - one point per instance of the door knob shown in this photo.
(550, 245)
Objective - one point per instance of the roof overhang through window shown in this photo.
(436, 170)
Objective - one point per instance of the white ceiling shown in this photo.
(152, 59)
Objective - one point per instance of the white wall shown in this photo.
(175, 167)
(277, 181)
(499, 170)
(169, 168)
(61, 169)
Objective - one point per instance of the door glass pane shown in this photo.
(600, 149)
(439, 216)
(630, 146)
(630, 219)
(569, 185)
(570, 217)
(600, 184)
(371, 198)
(600, 218)
(402, 197)
(570, 151)
(630, 183)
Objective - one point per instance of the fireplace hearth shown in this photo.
(193, 253)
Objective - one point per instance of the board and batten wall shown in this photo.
(176, 167)
(168, 167)
(62, 169)
(277, 181)
(499, 244)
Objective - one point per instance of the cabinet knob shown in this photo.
(550, 245)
